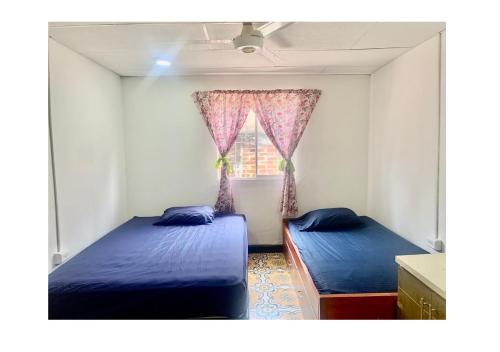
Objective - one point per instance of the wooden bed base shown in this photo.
(333, 306)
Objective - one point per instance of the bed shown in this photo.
(346, 274)
(141, 271)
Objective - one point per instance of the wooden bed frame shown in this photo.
(333, 306)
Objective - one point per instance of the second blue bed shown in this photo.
(356, 260)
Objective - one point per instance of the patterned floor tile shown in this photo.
(272, 295)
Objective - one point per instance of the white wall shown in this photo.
(88, 140)
(52, 215)
(403, 154)
(442, 145)
(170, 154)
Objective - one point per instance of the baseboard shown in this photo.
(265, 248)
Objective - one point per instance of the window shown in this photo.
(253, 155)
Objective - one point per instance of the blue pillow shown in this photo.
(192, 215)
(327, 219)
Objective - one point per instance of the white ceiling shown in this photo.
(130, 49)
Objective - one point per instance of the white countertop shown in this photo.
(428, 268)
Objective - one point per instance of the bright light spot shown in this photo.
(161, 62)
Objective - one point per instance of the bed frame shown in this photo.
(333, 306)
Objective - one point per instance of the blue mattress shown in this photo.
(141, 271)
(357, 260)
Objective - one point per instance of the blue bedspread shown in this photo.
(357, 260)
(143, 271)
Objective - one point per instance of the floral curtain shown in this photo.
(283, 115)
(224, 113)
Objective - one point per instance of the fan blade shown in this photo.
(220, 41)
(271, 27)
(280, 41)
(211, 41)
(205, 31)
(271, 56)
(220, 44)
(212, 44)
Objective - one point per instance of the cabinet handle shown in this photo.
(431, 311)
(422, 304)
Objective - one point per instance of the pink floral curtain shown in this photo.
(224, 113)
(283, 115)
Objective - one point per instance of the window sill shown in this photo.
(257, 179)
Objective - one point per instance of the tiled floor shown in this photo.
(272, 295)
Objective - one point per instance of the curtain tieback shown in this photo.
(286, 164)
(224, 161)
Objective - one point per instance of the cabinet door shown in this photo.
(438, 311)
(408, 308)
(413, 287)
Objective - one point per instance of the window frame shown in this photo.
(257, 176)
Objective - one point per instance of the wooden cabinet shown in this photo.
(438, 307)
(416, 300)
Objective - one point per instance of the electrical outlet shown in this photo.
(59, 257)
(435, 244)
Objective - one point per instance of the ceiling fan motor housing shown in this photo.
(249, 40)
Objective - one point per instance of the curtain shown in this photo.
(283, 115)
(224, 113)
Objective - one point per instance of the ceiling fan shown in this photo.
(251, 39)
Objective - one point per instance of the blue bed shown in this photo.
(356, 260)
(141, 271)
